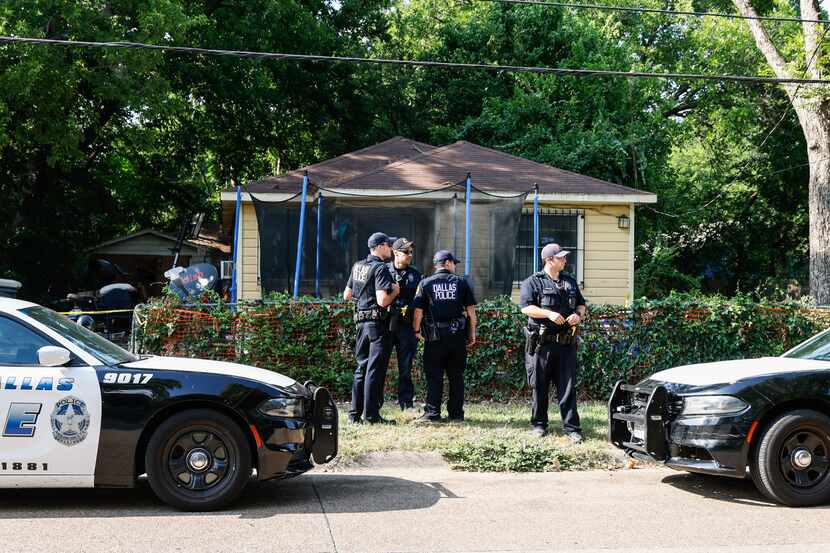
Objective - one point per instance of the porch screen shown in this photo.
(433, 220)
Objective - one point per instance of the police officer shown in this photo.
(373, 290)
(554, 305)
(403, 337)
(445, 317)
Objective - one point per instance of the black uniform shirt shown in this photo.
(408, 279)
(444, 296)
(562, 296)
(367, 276)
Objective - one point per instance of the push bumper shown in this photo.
(286, 447)
(643, 422)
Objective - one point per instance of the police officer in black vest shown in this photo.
(404, 341)
(445, 317)
(373, 289)
(554, 306)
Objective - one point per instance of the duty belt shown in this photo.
(363, 315)
(458, 324)
(564, 337)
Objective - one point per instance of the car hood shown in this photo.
(212, 367)
(728, 372)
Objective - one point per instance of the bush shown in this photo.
(310, 339)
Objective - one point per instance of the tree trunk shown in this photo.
(815, 122)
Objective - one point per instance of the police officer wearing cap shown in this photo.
(445, 317)
(373, 289)
(554, 305)
(404, 341)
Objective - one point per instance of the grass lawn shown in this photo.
(494, 437)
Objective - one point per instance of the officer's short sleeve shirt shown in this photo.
(464, 296)
(383, 278)
(531, 290)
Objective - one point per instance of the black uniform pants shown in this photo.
(405, 345)
(445, 356)
(372, 350)
(553, 364)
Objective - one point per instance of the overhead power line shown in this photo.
(410, 63)
(640, 9)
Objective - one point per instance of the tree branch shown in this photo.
(809, 10)
(764, 42)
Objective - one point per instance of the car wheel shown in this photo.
(198, 460)
(792, 462)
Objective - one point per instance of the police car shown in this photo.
(79, 411)
(769, 417)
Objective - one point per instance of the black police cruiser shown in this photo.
(769, 417)
(79, 411)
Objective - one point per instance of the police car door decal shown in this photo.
(51, 421)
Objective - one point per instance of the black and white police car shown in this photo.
(769, 417)
(79, 411)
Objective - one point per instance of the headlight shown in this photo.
(712, 405)
(283, 407)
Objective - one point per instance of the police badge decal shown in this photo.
(70, 421)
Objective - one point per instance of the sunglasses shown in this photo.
(406, 252)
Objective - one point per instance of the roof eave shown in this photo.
(379, 194)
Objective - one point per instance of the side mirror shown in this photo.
(53, 356)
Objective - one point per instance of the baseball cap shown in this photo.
(403, 243)
(378, 239)
(391, 240)
(553, 250)
(444, 255)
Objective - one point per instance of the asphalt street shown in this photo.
(425, 507)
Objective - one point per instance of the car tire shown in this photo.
(792, 461)
(198, 460)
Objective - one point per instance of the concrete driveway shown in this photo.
(409, 505)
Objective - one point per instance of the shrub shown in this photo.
(310, 339)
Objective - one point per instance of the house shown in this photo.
(592, 217)
(145, 255)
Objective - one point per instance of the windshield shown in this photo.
(817, 347)
(88, 341)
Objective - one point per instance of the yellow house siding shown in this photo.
(607, 256)
(249, 275)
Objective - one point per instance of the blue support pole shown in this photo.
(236, 257)
(467, 249)
(454, 217)
(298, 265)
(536, 229)
(319, 232)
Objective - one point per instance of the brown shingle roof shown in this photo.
(346, 166)
(395, 165)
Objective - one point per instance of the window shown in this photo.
(18, 344)
(88, 341)
(562, 226)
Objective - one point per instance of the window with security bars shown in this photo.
(561, 226)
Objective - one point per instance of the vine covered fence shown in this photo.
(312, 340)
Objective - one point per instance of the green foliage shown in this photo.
(656, 275)
(110, 141)
(313, 340)
(526, 455)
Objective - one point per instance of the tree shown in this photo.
(812, 105)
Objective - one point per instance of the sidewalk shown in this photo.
(411, 503)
